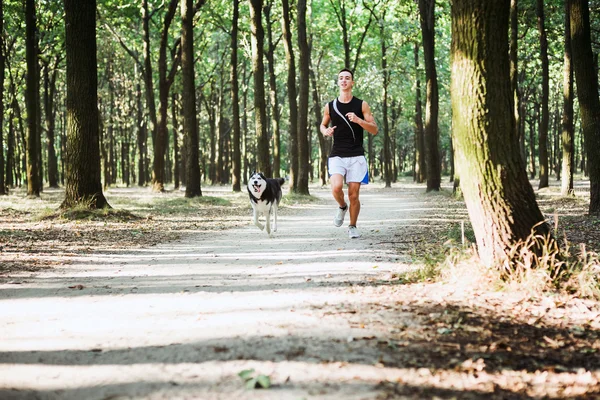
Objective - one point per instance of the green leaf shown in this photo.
(246, 374)
(264, 381)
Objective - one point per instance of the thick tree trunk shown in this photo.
(31, 96)
(190, 125)
(500, 201)
(3, 188)
(587, 93)
(275, 109)
(543, 137)
(236, 162)
(304, 166)
(568, 132)
(83, 186)
(291, 90)
(432, 151)
(258, 70)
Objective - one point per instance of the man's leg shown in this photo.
(353, 195)
(337, 185)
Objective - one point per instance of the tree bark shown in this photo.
(49, 94)
(543, 137)
(291, 90)
(83, 183)
(148, 73)
(3, 188)
(420, 169)
(258, 70)
(568, 132)
(514, 68)
(587, 93)
(165, 79)
(31, 97)
(500, 201)
(275, 108)
(323, 144)
(190, 125)
(304, 83)
(432, 151)
(236, 162)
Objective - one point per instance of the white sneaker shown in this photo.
(353, 232)
(338, 220)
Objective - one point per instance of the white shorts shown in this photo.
(355, 169)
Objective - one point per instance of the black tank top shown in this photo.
(347, 136)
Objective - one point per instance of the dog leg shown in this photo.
(268, 222)
(260, 226)
(275, 217)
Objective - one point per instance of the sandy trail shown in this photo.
(181, 319)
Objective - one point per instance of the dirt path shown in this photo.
(180, 320)
(320, 314)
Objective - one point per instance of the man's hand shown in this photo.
(329, 131)
(352, 117)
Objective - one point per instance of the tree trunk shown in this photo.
(543, 148)
(514, 68)
(532, 154)
(500, 201)
(387, 145)
(148, 73)
(587, 93)
(236, 162)
(432, 151)
(323, 144)
(303, 134)
(31, 96)
(291, 90)
(3, 188)
(83, 185)
(49, 94)
(176, 147)
(420, 168)
(258, 70)
(165, 79)
(275, 113)
(190, 125)
(568, 131)
(142, 138)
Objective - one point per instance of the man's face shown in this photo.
(345, 80)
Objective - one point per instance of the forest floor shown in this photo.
(171, 298)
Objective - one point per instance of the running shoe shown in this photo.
(353, 232)
(338, 220)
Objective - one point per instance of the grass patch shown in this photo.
(296, 198)
(83, 213)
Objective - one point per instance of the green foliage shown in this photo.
(254, 380)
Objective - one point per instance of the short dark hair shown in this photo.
(346, 70)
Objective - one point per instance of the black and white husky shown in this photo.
(265, 195)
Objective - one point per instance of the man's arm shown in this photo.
(368, 123)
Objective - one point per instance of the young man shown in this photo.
(348, 116)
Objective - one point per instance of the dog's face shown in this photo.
(257, 184)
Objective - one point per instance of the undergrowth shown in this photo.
(536, 265)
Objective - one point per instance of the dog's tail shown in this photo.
(281, 181)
